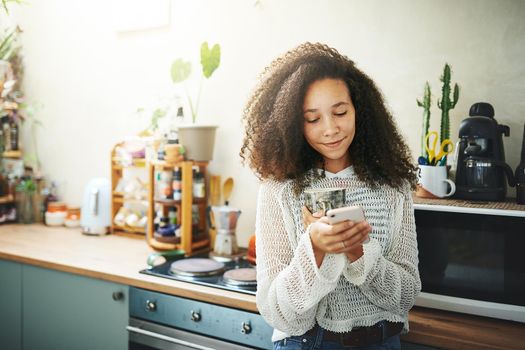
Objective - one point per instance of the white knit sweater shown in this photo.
(293, 293)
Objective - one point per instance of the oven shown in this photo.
(471, 260)
(161, 321)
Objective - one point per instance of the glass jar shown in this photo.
(24, 206)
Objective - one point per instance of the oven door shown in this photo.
(145, 335)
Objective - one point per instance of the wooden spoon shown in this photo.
(227, 188)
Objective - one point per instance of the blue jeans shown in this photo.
(316, 342)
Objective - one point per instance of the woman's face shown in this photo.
(329, 122)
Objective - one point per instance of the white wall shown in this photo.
(91, 78)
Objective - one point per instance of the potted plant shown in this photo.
(198, 140)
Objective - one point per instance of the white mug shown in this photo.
(434, 180)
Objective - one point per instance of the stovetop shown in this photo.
(163, 270)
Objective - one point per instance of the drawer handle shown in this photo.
(151, 305)
(195, 316)
(246, 328)
(117, 296)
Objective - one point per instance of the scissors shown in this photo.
(446, 147)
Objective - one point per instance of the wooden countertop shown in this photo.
(119, 259)
(112, 258)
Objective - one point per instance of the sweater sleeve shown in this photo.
(392, 281)
(289, 283)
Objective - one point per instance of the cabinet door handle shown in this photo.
(117, 296)
(166, 338)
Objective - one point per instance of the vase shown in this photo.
(198, 141)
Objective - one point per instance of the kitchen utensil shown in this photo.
(226, 223)
(215, 190)
(422, 160)
(227, 188)
(96, 214)
(436, 154)
(481, 171)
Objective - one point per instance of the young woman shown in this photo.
(317, 121)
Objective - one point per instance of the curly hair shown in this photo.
(274, 144)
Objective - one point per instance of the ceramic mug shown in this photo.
(323, 199)
(434, 180)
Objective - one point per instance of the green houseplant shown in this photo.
(181, 70)
(198, 140)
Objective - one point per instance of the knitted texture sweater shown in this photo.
(293, 293)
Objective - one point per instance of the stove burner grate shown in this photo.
(197, 267)
(246, 276)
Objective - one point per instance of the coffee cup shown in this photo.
(323, 199)
(434, 180)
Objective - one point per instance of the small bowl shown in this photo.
(55, 218)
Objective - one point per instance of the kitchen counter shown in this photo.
(119, 258)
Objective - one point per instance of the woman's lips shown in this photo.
(333, 144)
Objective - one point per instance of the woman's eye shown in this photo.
(340, 113)
(310, 121)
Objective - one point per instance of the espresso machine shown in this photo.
(225, 222)
(481, 172)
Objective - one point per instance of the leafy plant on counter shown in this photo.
(446, 104)
(181, 70)
(426, 103)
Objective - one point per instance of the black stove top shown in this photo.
(163, 270)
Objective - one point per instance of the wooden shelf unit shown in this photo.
(191, 242)
(117, 198)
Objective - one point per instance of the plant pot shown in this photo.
(198, 141)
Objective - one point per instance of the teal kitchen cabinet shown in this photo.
(67, 311)
(10, 305)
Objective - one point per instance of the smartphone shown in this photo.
(354, 213)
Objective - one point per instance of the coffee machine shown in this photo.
(481, 169)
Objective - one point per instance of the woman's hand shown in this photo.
(344, 237)
(309, 218)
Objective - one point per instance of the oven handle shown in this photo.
(166, 338)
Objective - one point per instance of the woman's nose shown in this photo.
(330, 126)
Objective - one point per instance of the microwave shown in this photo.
(472, 260)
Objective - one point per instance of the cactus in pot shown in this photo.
(446, 104)
(425, 104)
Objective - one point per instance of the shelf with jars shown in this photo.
(129, 197)
(177, 210)
(11, 152)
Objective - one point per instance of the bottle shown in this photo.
(13, 137)
(172, 215)
(177, 184)
(6, 132)
(520, 174)
(165, 184)
(199, 187)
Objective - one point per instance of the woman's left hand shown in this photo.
(309, 218)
